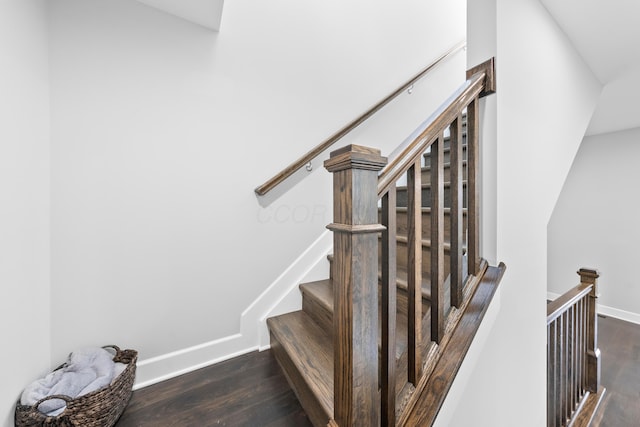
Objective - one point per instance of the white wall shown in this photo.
(545, 98)
(594, 223)
(24, 199)
(161, 130)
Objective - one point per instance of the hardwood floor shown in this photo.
(252, 391)
(619, 344)
(246, 391)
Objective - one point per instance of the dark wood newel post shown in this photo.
(355, 282)
(588, 276)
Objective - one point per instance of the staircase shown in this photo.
(367, 355)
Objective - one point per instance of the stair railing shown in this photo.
(358, 377)
(573, 357)
(285, 173)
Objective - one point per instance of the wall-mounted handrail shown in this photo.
(314, 152)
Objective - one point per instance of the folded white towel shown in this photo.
(86, 370)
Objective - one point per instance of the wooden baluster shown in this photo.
(355, 316)
(473, 166)
(551, 373)
(414, 271)
(589, 276)
(437, 240)
(388, 308)
(457, 197)
(576, 356)
(563, 370)
(579, 348)
(567, 380)
(572, 361)
(583, 346)
(558, 364)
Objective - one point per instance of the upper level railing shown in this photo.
(451, 271)
(573, 357)
(324, 145)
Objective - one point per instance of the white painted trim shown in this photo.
(605, 310)
(619, 314)
(170, 365)
(552, 295)
(253, 319)
(253, 328)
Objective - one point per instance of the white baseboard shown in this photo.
(279, 297)
(605, 310)
(170, 365)
(619, 314)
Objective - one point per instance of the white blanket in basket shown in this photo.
(86, 370)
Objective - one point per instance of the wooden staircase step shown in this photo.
(401, 192)
(402, 229)
(317, 303)
(401, 280)
(305, 353)
(401, 218)
(446, 152)
(426, 172)
(402, 254)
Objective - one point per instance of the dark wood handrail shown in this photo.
(368, 389)
(412, 151)
(567, 300)
(314, 152)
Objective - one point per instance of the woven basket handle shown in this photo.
(122, 356)
(64, 397)
(115, 347)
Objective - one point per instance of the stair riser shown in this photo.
(426, 196)
(295, 378)
(402, 257)
(323, 316)
(446, 154)
(401, 219)
(318, 312)
(426, 174)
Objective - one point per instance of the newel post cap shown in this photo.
(588, 275)
(355, 157)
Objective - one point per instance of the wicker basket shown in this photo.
(100, 408)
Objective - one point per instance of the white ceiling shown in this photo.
(606, 33)
(207, 13)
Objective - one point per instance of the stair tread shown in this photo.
(322, 292)
(425, 209)
(311, 351)
(446, 165)
(401, 281)
(447, 184)
(403, 284)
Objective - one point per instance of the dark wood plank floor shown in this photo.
(252, 391)
(246, 391)
(619, 344)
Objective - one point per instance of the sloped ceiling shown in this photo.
(207, 13)
(606, 33)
